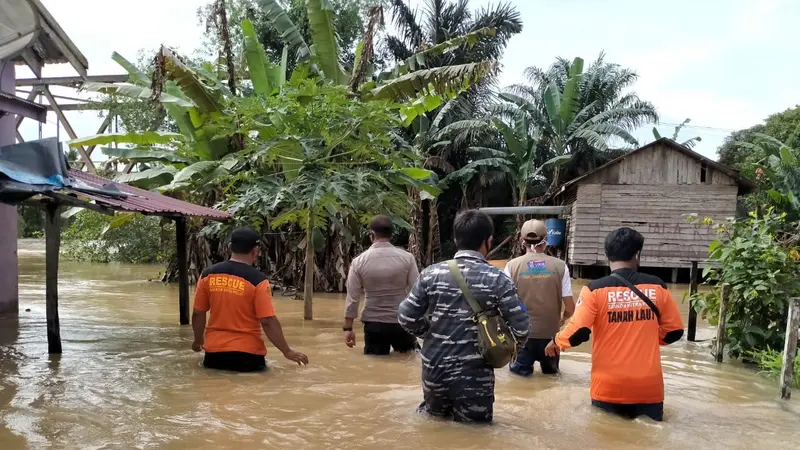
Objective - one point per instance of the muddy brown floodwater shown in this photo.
(128, 379)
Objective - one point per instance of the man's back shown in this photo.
(238, 296)
(384, 274)
(626, 358)
(451, 342)
(539, 279)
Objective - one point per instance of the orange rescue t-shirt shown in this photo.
(626, 358)
(238, 296)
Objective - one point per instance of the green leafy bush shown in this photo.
(126, 238)
(30, 221)
(758, 259)
(770, 362)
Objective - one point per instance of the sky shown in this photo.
(725, 64)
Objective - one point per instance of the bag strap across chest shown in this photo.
(462, 284)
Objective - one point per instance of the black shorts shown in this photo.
(380, 338)
(235, 361)
(534, 351)
(654, 411)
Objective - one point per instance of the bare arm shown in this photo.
(272, 328)
(202, 304)
(199, 327)
(566, 295)
(569, 309)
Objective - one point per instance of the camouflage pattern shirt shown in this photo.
(436, 311)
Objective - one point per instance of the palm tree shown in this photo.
(443, 21)
(565, 102)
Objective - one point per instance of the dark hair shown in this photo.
(244, 240)
(623, 244)
(381, 226)
(471, 229)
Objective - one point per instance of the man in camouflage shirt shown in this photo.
(456, 380)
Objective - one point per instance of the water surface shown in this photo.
(128, 380)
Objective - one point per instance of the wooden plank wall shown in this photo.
(652, 191)
(585, 225)
(660, 213)
(660, 165)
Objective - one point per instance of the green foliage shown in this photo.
(579, 112)
(770, 362)
(30, 221)
(758, 258)
(783, 126)
(125, 238)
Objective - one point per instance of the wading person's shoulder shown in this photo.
(639, 279)
(238, 270)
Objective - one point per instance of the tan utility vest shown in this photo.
(538, 279)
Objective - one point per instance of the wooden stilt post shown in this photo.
(790, 348)
(691, 333)
(308, 282)
(181, 238)
(719, 346)
(52, 249)
(674, 275)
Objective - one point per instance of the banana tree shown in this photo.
(422, 88)
(689, 143)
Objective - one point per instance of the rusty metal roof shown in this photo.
(140, 200)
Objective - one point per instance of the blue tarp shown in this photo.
(37, 167)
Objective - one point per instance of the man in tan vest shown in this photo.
(543, 284)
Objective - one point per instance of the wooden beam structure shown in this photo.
(790, 348)
(63, 119)
(691, 333)
(72, 81)
(52, 250)
(526, 210)
(182, 237)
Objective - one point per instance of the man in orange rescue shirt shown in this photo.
(240, 300)
(626, 358)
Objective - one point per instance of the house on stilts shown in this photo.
(653, 190)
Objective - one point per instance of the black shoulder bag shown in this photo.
(639, 293)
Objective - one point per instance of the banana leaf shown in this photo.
(145, 138)
(323, 31)
(289, 32)
(141, 155)
(257, 62)
(199, 168)
(133, 91)
(447, 81)
(137, 77)
(207, 99)
(150, 178)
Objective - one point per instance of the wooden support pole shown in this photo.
(719, 346)
(674, 275)
(53, 247)
(790, 348)
(181, 238)
(308, 281)
(691, 333)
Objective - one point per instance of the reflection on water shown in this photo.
(128, 379)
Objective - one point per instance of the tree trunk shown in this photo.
(415, 235)
(518, 249)
(434, 239)
(308, 289)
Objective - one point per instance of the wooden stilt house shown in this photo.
(652, 190)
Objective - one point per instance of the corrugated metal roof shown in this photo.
(142, 201)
